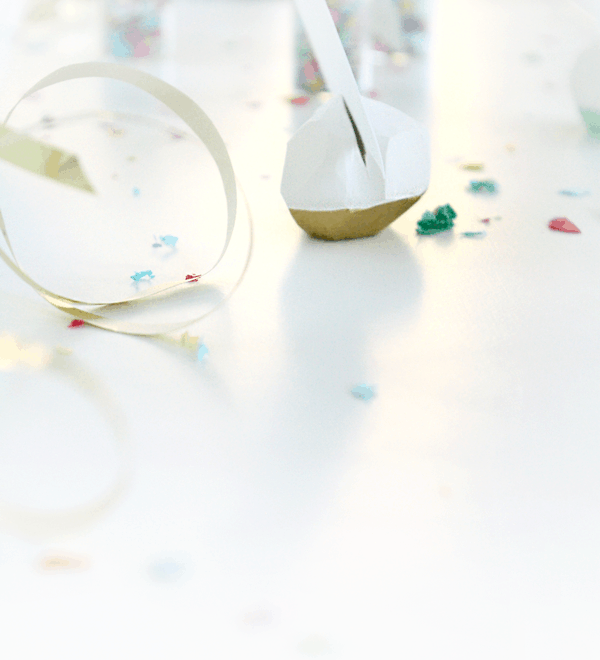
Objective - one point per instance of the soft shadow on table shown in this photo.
(336, 300)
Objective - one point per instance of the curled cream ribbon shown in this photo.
(42, 525)
(51, 162)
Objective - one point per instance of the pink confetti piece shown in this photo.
(76, 323)
(562, 224)
(299, 100)
(486, 220)
(192, 278)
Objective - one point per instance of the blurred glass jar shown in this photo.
(585, 85)
(134, 27)
(347, 16)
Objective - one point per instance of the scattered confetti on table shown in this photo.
(76, 323)
(574, 192)
(202, 352)
(364, 391)
(488, 186)
(136, 192)
(169, 240)
(434, 223)
(562, 224)
(474, 234)
(472, 167)
(192, 277)
(138, 276)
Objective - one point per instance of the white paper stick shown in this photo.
(328, 49)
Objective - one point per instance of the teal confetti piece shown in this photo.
(574, 192)
(202, 352)
(434, 223)
(364, 391)
(488, 186)
(474, 234)
(169, 240)
(138, 276)
(136, 192)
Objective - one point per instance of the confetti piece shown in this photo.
(562, 224)
(486, 220)
(47, 119)
(483, 186)
(474, 234)
(202, 352)
(76, 323)
(192, 277)
(136, 192)
(372, 94)
(131, 158)
(167, 570)
(434, 223)
(574, 193)
(56, 563)
(472, 167)
(138, 276)
(169, 240)
(176, 136)
(364, 391)
(299, 100)
(114, 132)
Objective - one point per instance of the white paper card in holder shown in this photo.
(357, 164)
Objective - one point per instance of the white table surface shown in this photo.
(454, 515)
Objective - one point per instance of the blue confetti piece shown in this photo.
(169, 240)
(574, 193)
(138, 276)
(364, 391)
(202, 352)
(167, 570)
(136, 192)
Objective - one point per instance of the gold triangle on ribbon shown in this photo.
(41, 158)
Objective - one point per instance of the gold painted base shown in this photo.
(351, 223)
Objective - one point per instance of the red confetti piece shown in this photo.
(300, 100)
(486, 220)
(76, 323)
(193, 278)
(562, 224)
